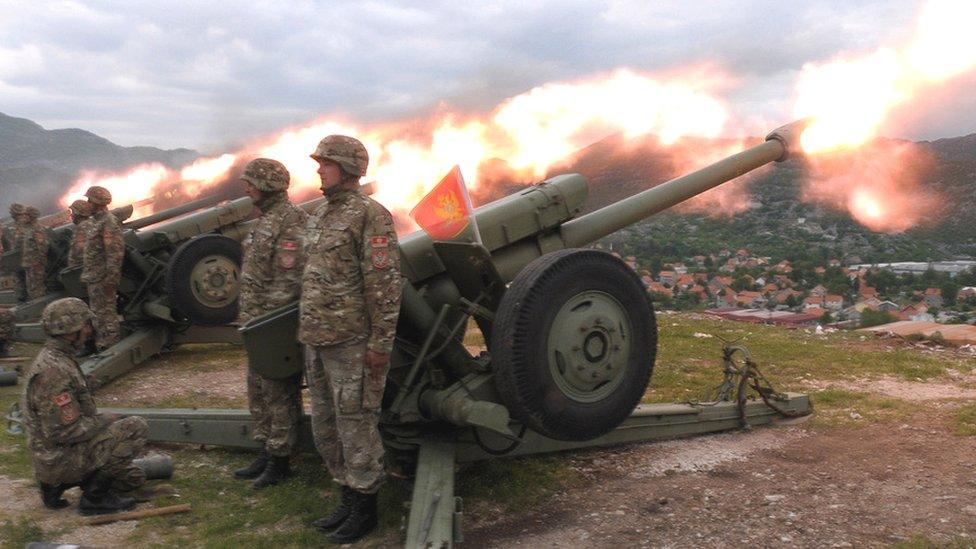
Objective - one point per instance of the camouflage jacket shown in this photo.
(34, 246)
(104, 249)
(271, 270)
(351, 286)
(76, 255)
(59, 412)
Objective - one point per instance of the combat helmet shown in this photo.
(267, 175)
(348, 152)
(32, 213)
(80, 208)
(17, 209)
(99, 196)
(65, 316)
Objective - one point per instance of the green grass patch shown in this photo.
(840, 408)
(964, 422)
(17, 534)
(515, 483)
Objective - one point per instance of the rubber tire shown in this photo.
(519, 345)
(181, 265)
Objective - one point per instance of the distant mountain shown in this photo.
(38, 165)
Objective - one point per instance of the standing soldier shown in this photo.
(102, 266)
(14, 237)
(351, 290)
(271, 278)
(34, 254)
(81, 216)
(69, 442)
(6, 330)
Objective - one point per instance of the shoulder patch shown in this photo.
(62, 399)
(289, 245)
(380, 241)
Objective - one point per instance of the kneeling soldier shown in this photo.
(70, 443)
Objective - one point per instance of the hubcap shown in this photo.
(215, 281)
(589, 346)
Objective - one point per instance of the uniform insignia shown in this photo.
(381, 259)
(289, 245)
(62, 399)
(380, 241)
(287, 260)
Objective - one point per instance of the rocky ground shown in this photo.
(795, 486)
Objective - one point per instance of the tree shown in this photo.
(825, 318)
(870, 317)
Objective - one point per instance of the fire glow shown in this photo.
(850, 98)
(528, 132)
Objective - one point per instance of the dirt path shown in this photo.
(777, 487)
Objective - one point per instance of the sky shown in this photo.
(212, 75)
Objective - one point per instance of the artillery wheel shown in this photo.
(573, 344)
(203, 279)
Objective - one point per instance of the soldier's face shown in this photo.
(251, 191)
(331, 175)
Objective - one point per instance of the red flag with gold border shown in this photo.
(445, 212)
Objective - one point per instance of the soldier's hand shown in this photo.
(376, 362)
(109, 418)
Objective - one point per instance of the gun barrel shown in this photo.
(609, 219)
(171, 213)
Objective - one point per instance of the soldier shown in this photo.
(33, 254)
(271, 278)
(102, 266)
(70, 443)
(351, 290)
(6, 330)
(14, 236)
(81, 216)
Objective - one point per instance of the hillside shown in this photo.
(38, 165)
(776, 223)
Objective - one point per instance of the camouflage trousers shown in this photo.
(276, 407)
(345, 414)
(20, 286)
(101, 299)
(34, 280)
(6, 323)
(110, 453)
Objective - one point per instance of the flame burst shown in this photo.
(527, 133)
(849, 100)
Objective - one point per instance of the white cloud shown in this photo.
(207, 74)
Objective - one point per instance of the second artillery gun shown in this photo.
(570, 331)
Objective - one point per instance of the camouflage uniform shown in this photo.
(6, 324)
(351, 290)
(271, 278)
(81, 213)
(102, 269)
(34, 247)
(14, 235)
(68, 439)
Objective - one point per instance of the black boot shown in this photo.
(360, 522)
(338, 515)
(98, 499)
(4, 349)
(255, 468)
(51, 495)
(276, 471)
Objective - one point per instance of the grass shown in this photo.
(964, 422)
(923, 542)
(228, 513)
(17, 534)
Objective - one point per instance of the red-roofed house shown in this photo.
(833, 302)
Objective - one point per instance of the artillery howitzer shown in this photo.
(179, 284)
(59, 237)
(571, 335)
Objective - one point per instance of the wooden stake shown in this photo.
(137, 515)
